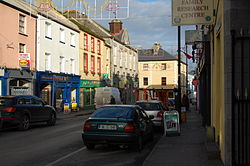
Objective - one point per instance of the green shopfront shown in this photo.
(87, 93)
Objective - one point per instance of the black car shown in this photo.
(25, 109)
(118, 125)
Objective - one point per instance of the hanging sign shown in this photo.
(192, 12)
(24, 60)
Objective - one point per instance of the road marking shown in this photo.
(64, 157)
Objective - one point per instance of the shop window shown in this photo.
(145, 81)
(163, 81)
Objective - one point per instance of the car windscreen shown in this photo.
(113, 112)
(150, 106)
(6, 102)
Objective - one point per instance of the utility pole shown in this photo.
(179, 73)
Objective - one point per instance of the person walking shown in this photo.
(185, 102)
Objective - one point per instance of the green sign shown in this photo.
(90, 83)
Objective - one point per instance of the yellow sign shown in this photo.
(192, 12)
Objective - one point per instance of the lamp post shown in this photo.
(179, 73)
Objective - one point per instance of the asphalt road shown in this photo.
(62, 145)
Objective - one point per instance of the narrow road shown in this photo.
(62, 145)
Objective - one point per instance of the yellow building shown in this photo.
(158, 71)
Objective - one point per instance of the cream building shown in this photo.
(158, 71)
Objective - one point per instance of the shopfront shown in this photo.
(88, 93)
(17, 82)
(58, 88)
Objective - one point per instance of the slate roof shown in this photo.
(148, 55)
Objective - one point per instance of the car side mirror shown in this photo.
(151, 116)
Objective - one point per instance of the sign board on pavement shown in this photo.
(171, 122)
(192, 12)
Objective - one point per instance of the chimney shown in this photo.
(156, 48)
(115, 26)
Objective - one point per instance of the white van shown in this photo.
(103, 96)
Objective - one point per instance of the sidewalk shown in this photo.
(189, 149)
(81, 112)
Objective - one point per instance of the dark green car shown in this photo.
(118, 125)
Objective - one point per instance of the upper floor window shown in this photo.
(22, 22)
(92, 44)
(99, 65)
(22, 48)
(145, 66)
(85, 62)
(62, 36)
(72, 40)
(163, 66)
(163, 81)
(145, 80)
(72, 65)
(92, 64)
(47, 62)
(85, 42)
(48, 30)
(62, 64)
(99, 47)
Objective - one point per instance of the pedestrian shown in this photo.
(185, 102)
(112, 100)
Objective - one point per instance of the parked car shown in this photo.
(25, 109)
(155, 108)
(118, 125)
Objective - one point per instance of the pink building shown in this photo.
(17, 35)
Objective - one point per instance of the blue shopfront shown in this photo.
(58, 88)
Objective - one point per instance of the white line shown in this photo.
(64, 157)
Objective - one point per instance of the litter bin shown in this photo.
(171, 123)
(66, 108)
(74, 106)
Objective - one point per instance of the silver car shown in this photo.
(155, 108)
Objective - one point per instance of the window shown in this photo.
(99, 47)
(85, 62)
(85, 42)
(62, 64)
(99, 65)
(163, 81)
(48, 30)
(62, 36)
(145, 67)
(145, 80)
(92, 44)
(22, 23)
(163, 66)
(72, 66)
(72, 40)
(92, 64)
(47, 61)
(22, 48)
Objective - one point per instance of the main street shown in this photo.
(62, 145)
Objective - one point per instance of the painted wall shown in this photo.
(217, 87)
(10, 37)
(55, 48)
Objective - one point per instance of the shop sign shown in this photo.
(56, 78)
(105, 76)
(88, 83)
(192, 36)
(24, 60)
(192, 12)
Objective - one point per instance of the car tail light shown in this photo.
(159, 115)
(129, 128)
(86, 126)
(9, 109)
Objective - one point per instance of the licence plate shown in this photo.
(107, 127)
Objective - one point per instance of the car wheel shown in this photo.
(139, 144)
(151, 136)
(25, 123)
(52, 120)
(90, 146)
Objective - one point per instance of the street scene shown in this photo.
(124, 83)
